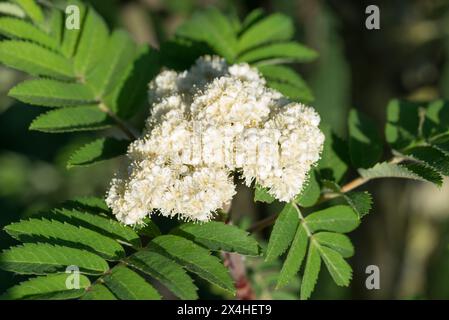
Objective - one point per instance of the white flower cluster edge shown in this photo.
(206, 124)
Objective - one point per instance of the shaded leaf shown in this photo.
(96, 151)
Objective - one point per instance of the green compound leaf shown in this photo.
(283, 232)
(219, 236)
(52, 287)
(214, 29)
(195, 259)
(20, 29)
(431, 156)
(65, 234)
(110, 69)
(338, 218)
(82, 118)
(312, 269)
(128, 285)
(52, 93)
(276, 27)
(43, 258)
(295, 257)
(276, 53)
(391, 170)
(76, 214)
(166, 271)
(35, 60)
(365, 144)
(92, 43)
(287, 82)
(336, 241)
(97, 151)
(339, 269)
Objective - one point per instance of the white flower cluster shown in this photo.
(205, 124)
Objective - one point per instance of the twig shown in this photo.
(120, 123)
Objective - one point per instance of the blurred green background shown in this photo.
(407, 232)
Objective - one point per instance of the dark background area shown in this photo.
(407, 232)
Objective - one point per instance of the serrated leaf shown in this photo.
(262, 195)
(389, 170)
(12, 9)
(32, 10)
(65, 234)
(106, 226)
(132, 91)
(336, 241)
(82, 118)
(52, 93)
(35, 60)
(283, 232)
(433, 157)
(166, 271)
(424, 171)
(96, 151)
(128, 285)
(111, 68)
(195, 259)
(338, 218)
(311, 271)
(365, 144)
(277, 53)
(46, 287)
(295, 257)
(310, 193)
(287, 82)
(43, 258)
(219, 236)
(71, 36)
(276, 27)
(18, 28)
(360, 202)
(93, 40)
(98, 292)
(339, 269)
(213, 28)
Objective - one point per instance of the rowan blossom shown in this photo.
(206, 124)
